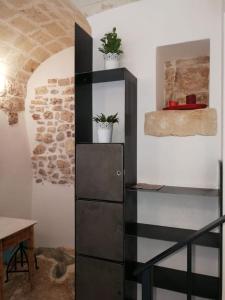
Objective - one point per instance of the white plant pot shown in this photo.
(111, 61)
(105, 131)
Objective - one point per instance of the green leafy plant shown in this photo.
(109, 119)
(111, 43)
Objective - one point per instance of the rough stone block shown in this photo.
(54, 29)
(60, 136)
(36, 15)
(47, 138)
(69, 91)
(56, 101)
(67, 116)
(48, 115)
(54, 47)
(24, 44)
(30, 66)
(63, 82)
(70, 147)
(62, 164)
(181, 123)
(42, 90)
(41, 37)
(13, 118)
(40, 54)
(36, 117)
(7, 34)
(52, 81)
(6, 12)
(54, 92)
(39, 149)
(22, 24)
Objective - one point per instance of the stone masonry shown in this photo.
(187, 76)
(52, 110)
(31, 31)
(181, 122)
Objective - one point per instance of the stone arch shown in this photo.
(30, 32)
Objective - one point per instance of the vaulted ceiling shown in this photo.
(30, 32)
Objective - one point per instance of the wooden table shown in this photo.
(12, 232)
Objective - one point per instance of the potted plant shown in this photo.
(111, 47)
(105, 127)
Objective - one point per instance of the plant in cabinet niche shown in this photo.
(111, 47)
(105, 127)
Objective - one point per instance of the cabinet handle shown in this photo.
(118, 173)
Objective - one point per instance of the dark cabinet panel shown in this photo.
(99, 171)
(99, 229)
(96, 279)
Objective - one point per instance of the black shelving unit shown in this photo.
(103, 209)
(106, 202)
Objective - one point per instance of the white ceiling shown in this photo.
(91, 7)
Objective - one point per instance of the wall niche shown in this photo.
(182, 69)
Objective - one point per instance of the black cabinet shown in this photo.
(99, 171)
(99, 228)
(103, 209)
(97, 279)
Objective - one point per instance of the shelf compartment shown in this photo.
(171, 234)
(175, 280)
(103, 76)
(177, 190)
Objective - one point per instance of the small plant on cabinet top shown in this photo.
(105, 127)
(103, 119)
(111, 47)
(111, 43)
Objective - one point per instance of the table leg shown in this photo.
(1, 271)
(30, 253)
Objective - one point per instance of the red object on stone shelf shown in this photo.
(172, 103)
(185, 107)
(191, 99)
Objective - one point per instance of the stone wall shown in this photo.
(187, 76)
(52, 110)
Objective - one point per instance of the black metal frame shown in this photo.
(145, 271)
(23, 260)
(84, 79)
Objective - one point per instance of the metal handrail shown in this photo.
(149, 264)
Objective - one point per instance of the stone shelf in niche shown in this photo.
(181, 123)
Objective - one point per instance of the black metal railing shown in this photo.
(146, 270)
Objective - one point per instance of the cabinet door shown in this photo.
(96, 279)
(99, 229)
(99, 171)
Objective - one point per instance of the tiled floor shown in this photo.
(54, 280)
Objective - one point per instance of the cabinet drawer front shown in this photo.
(96, 279)
(99, 171)
(99, 229)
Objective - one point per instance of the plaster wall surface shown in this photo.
(189, 161)
(52, 205)
(178, 161)
(15, 169)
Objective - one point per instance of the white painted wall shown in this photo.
(52, 205)
(189, 161)
(15, 169)
(143, 26)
